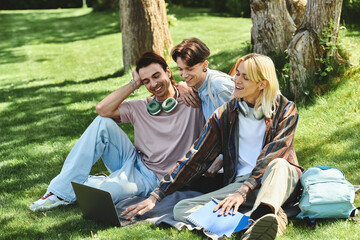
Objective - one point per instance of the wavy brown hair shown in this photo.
(192, 51)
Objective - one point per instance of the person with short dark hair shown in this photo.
(214, 87)
(164, 129)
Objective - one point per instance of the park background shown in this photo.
(57, 64)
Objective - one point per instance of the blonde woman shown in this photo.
(254, 131)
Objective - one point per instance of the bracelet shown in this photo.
(156, 196)
(243, 194)
(132, 81)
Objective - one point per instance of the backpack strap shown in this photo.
(356, 210)
(210, 92)
(310, 223)
(354, 213)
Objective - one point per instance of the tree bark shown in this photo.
(296, 10)
(305, 48)
(273, 27)
(144, 28)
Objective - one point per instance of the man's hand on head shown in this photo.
(136, 78)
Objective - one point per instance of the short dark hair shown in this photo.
(150, 57)
(192, 51)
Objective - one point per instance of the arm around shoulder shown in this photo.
(189, 95)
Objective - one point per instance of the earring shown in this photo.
(205, 70)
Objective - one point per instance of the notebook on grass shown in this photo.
(206, 218)
(96, 204)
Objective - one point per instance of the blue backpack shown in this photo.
(326, 194)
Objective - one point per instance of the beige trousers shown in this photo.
(278, 182)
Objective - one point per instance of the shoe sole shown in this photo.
(282, 222)
(45, 208)
(265, 229)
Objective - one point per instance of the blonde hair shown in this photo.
(258, 68)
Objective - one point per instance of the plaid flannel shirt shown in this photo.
(220, 135)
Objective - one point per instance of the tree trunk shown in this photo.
(273, 27)
(296, 10)
(144, 28)
(305, 48)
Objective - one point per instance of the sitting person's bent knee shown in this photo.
(180, 211)
(106, 121)
(279, 162)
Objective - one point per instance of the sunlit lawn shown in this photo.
(55, 65)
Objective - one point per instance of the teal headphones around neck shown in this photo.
(154, 107)
(244, 109)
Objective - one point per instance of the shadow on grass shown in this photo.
(226, 59)
(66, 228)
(15, 92)
(182, 13)
(36, 126)
(164, 226)
(44, 27)
(346, 160)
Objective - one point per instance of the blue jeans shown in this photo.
(103, 138)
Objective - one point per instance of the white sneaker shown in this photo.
(48, 201)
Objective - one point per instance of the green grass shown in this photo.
(55, 65)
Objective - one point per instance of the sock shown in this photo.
(260, 211)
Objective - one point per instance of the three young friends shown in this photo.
(259, 160)
(250, 136)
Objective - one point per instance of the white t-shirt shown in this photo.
(251, 138)
(163, 139)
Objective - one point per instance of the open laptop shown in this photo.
(96, 204)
